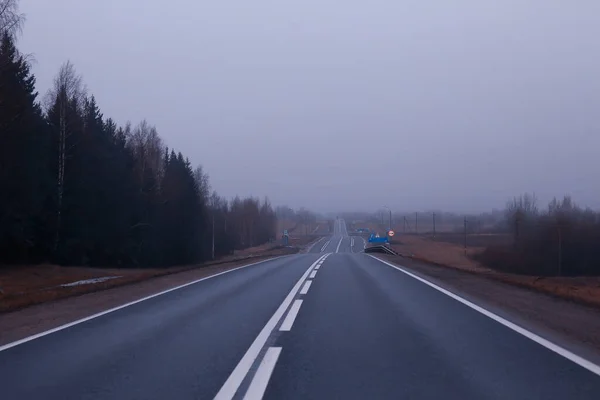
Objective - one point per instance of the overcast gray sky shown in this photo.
(348, 104)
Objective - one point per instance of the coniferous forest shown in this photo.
(78, 189)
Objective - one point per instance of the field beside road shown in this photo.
(476, 240)
(446, 253)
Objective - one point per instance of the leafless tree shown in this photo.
(67, 89)
(11, 21)
(203, 182)
(148, 150)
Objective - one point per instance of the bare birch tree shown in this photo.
(67, 89)
(147, 148)
(11, 21)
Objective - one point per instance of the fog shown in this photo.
(345, 105)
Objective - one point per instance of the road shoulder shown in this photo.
(33, 320)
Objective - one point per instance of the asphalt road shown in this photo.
(340, 241)
(361, 329)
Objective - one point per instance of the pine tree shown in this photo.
(23, 148)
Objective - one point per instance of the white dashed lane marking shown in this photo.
(305, 287)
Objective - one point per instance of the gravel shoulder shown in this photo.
(47, 315)
(570, 324)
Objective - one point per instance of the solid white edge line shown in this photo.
(233, 382)
(339, 244)
(582, 362)
(305, 288)
(325, 245)
(93, 316)
(287, 323)
(259, 383)
(313, 274)
(317, 267)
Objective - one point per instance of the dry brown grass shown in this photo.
(437, 252)
(585, 290)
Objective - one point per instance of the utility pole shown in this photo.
(465, 235)
(517, 222)
(559, 251)
(390, 225)
(213, 237)
(434, 225)
(417, 223)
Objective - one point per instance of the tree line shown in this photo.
(560, 240)
(77, 189)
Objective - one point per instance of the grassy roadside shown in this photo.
(447, 251)
(583, 290)
(26, 286)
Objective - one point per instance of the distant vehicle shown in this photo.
(363, 230)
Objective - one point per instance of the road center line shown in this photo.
(325, 245)
(582, 362)
(233, 382)
(291, 316)
(313, 274)
(305, 288)
(263, 374)
(339, 244)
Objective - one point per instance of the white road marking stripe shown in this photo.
(259, 383)
(305, 288)
(232, 384)
(317, 267)
(291, 316)
(590, 366)
(313, 245)
(79, 321)
(313, 274)
(325, 245)
(339, 244)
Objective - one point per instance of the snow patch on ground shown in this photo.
(89, 281)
